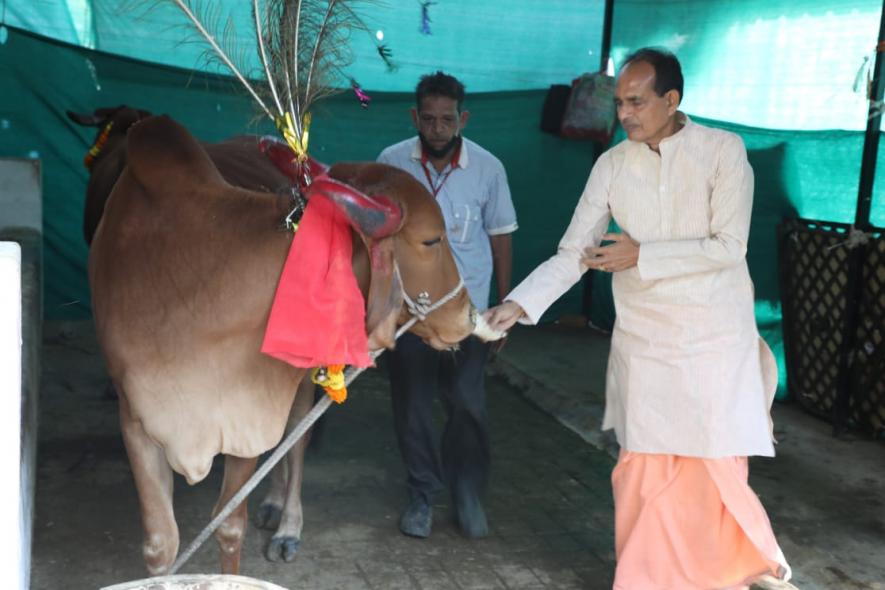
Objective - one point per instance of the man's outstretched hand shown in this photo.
(502, 317)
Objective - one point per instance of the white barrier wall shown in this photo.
(21, 195)
(21, 328)
(11, 521)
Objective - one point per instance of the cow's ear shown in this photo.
(385, 299)
(90, 120)
(375, 217)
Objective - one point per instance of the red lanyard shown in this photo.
(452, 165)
(437, 188)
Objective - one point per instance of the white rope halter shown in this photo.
(421, 306)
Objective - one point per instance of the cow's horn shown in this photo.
(376, 217)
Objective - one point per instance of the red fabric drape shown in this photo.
(318, 313)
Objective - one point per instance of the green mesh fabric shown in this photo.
(490, 45)
(780, 64)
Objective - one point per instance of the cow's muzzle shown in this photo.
(481, 329)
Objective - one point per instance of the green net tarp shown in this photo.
(779, 64)
(493, 45)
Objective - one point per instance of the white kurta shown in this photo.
(688, 373)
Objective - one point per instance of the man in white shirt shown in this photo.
(689, 382)
(470, 186)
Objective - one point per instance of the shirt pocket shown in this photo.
(466, 222)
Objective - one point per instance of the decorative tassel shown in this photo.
(862, 78)
(361, 95)
(425, 17)
(96, 148)
(331, 379)
(387, 55)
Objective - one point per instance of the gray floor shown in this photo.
(549, 505)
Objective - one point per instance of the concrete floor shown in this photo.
(549, 505)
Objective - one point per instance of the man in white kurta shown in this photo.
(688, 374)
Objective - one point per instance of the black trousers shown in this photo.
(418, 373)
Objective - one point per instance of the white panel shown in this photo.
(13, 560)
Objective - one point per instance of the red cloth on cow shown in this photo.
(318, 313)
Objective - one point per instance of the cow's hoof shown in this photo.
(282, 547)
(268, 516)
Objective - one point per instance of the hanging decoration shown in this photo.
(302, 46)
(424, 29)
(361, 95)
(863, 83)
(387, 55)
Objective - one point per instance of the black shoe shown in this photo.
(417, 520)
(469, 514)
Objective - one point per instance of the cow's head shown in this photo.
(404, 233)
(112, 124)
(105, 158)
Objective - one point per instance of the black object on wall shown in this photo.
(554, 108)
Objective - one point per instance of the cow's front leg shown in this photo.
(232, 531)
(285, 541)
(153, 481)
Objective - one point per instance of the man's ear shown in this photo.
(463, 119)
(673, 100)
(414, 112)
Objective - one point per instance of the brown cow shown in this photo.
(240, 163)
(183, 269)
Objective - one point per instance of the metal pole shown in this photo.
(846, 382)
(606, 34)
(871, 139)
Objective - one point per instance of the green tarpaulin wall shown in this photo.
(809, 173)
(493, 44)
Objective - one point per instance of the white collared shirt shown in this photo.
(475, 202)
(688, 373)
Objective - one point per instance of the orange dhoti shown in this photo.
(687, 523)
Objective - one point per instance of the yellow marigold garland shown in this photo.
(96, 148)
(331, 379)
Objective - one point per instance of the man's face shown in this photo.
(644, 115)
(439, 122)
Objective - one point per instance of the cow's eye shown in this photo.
(432, 242)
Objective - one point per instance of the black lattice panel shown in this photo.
(814, 277)
(814, 270)
(868, 384)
